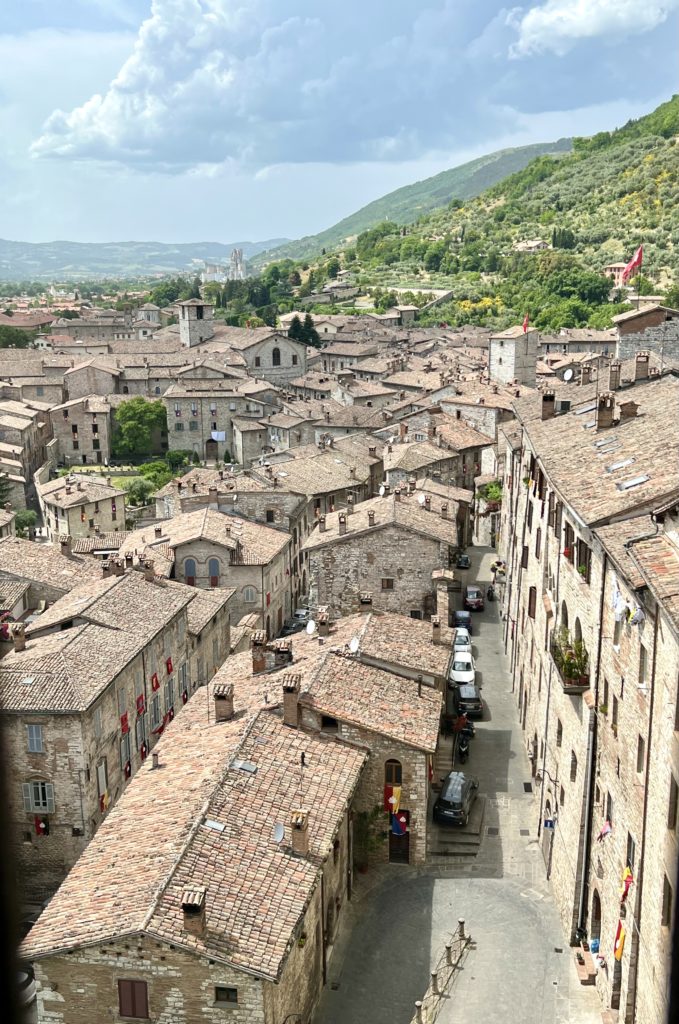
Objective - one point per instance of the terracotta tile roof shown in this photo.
(83, 490)
(616, 536)
(406, 513)
(657, 559)
(205, 605)
(415, 455)
(401, 641)
(100, 542)
(449, 494)
(204, 479)
(376, 700)
(44, 564)
(11, 591)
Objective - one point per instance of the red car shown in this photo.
(473, 598)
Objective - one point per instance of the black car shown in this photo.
(291, 627)
(468, 701)
(454, 804)
(462, 620)
(463, 562)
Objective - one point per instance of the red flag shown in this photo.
(634, 264)
(525, 323)
(140, 704)
(155, 682)
(168, 666)
(619, 941)
(124, 723)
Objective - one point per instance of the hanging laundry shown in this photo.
(605, 831)
(218, 435)
(637, 617)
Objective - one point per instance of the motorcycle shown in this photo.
(490, 593)
(469, 730)
(462, 748)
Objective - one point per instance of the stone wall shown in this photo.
(660, 337)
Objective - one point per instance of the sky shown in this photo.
(235, 120)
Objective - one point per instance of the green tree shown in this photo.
(333, 267)
(5, 489)
(139, 491)
(25, 522)
(177, 459)
(311, 336)
(136, 420)
(672, 296)
(14, 337)
(296, 329)
(294, 279)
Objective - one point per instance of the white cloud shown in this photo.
(558, 25)
(214, 80)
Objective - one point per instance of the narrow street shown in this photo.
(492, 874)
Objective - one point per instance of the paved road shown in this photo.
(520, 968)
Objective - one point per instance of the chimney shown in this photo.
(68, 488)
(327, 416)
(158, 531)
(79, 485)
(605, 410)
(106, 569)
(352, 472)
(66, 545)
(342, 519)
(193, 910)
(444, 510)
(548, 405)
(149, 570)
(614, 375)
(19, 636)
(282, 653)
(155, 763)
(258, 643)
(223, 698)
(299, 828)
(129, 561)
(641, 366)
(291, 684)
(321, 524)
(387, 489)
(323, 622)
(412, 483)
(365, 603)
(427, 503)
(350, 504)
(403, 430)
(371, 518)
(7, 506)
(212, 496)
(627, 410)
(397, 494)
(435, 629)
(372, 450)
(585, 375)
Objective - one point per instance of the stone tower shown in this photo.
(513, 356)
(195, 322)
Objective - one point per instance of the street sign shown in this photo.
(549, 823)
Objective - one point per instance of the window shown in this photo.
(258, 361)
(532, 601)
(169, 688)
(102, 777)
(617, 632)
(631, 851)
(193, 424)
(529, 515)
(39, 390)
(609, 808)
(133, 999)
(294, 360)
(190, 572)
(249, 595)
(276, 357)
(213, 571)
(124, 750)
(39, 796)
(97, 721)
(538, 543)
(559, 732)
(574, 766)
(614, 714)
(140, 731)
(387, 584)
(179, 427)
(76, 446)
(35, 739)
(96, 446)
(666, 913)
(672, 809)
(641, 754)
(225, 996)
(335, 851)
(643, 664)
(122, 702)
(329, 724)
(524, 557)
(569, 543)
(270, 515)
(155, 711)
(584, 560)
(393, 773)
(562, 796)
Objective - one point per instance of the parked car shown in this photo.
(463, 562)
(301, 615)
(463, 620)
(463, 670)
(473, 598)
(468, 701)
(462, 640)
(26, 989)
(293, 626)
(456, 798)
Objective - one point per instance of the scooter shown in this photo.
(490, 593)
(462, 748)
(469, 730)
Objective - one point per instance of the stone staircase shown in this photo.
(454, 842)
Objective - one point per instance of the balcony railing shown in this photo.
(572, 664)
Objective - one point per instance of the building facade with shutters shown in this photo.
(591, 631)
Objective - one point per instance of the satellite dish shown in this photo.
(311, 627)
(278, 833)
(354, 644)
(421, 499)
(568, 375)
(381, 491)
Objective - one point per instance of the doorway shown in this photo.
(399, 848)
(211, 451)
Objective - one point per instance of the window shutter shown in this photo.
(141, 1006)
(49, 794)
(125, 998)
(28, 802)
(524, 557)
(532, 601)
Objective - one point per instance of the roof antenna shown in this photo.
(302, 765)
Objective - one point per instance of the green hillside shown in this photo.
(412, 201)
(595, 206)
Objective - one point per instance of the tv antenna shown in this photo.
(311, 627)
(354, 644)
(278, 833)
(381, 491)
(568, 375)
(421, 499)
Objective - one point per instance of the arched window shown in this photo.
(249, 595)
(213, 571)
(276, 357)
(577, 630)
(595, 919)
(392, 773)
(190, 571)
(564, 615)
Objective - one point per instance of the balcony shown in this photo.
(571, 661)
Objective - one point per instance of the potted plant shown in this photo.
(582, 569)
(526, 481)
(603, 709)
(301, 941)
(580, 659)
(567, 552)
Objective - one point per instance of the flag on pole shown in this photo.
(634, 264)
(399, 824)
(525, 323)
(627, 882)
(619, 942)
(394, 800)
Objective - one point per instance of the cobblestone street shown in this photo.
(520, 966)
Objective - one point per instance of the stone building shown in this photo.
(420, 458)
(270, 355)
(82, 429)
(80, 505)
(250, 440)
(386, 547)
(590, 632)
(249, 934)
(25, 426)
(49, 571)
(512, 356)
(209, 549)
(200, 415)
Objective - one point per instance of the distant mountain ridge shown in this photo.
(68, 261)
(410, 202)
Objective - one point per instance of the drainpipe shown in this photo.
(591, 754)
(544, 750)
(518, 590)
(634, 964)
(324, 963)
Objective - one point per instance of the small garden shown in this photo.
(571, 658)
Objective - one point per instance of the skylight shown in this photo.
(636, 481)
(586, 408)
(216, 826)
(604, 440)
(244, 766)
(619, 465)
